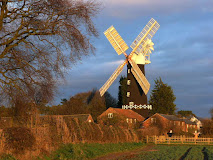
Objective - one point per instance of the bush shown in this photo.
(7, 157)
(18, 139)
(207, 128)
(151, 131)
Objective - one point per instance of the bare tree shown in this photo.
(35, 36)
(211, 112)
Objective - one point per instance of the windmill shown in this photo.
(137, 84)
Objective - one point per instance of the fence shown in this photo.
(179, 140)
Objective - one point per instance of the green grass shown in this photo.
(88, 151)
(195, 153)
(164, 153)
(176, 152)
(209, 151)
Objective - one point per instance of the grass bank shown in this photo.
(88, 151)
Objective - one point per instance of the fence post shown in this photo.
(155, 140)
(147, 139)
(208, 140)
(181, 139)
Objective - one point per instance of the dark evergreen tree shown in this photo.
(122, 91)
(162, 98)
(185, 113)
(109, 100)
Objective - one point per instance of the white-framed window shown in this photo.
(128, 70)
(131, 103)
(127, 120)
(187, 126)
(130, 120)
(153, 120)
(110, 115)
(128, 82)
(135, 120)
(128, 94)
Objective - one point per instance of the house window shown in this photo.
(127, 120)
(193, 126)
(89, 121)
(128, 82)
(179, 123)
(131, 103)
(182, 123)
(110, 115)
(174, 123)
(128, 71)
(128, 94)
(153, 120)
(135, 120)
(130, 120)
(187, 126)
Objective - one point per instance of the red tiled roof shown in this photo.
(129, 113)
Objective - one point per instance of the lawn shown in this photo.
(177, 152)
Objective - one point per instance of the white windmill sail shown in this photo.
(147, 33)
(112, 78)
(116, 40)
(139, 76)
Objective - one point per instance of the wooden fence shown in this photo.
(179, 140)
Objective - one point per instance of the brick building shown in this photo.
(169, 122)
(120, 116)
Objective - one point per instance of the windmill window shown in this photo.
(128, 82)
(128, 94)
(110, 115)
(131, 103)
(128, 70)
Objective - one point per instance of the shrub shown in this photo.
(7, 157)
(19, 139)
(207, 128)
(151, 131)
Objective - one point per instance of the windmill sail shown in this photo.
(108, 83)
(139, 76)
(116, 41)
(147, 33)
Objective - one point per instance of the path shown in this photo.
(127, 154)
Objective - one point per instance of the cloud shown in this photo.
(130, 9)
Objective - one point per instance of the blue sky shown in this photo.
(183, 55)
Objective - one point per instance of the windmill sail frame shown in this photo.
(138, 46)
